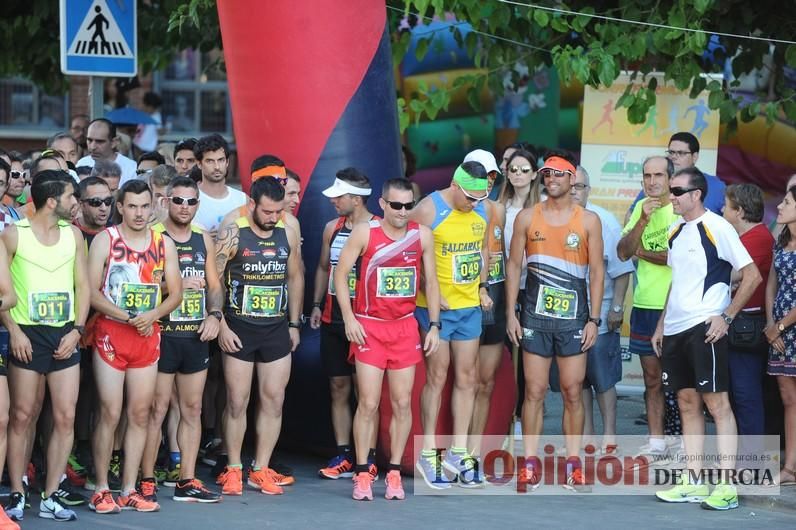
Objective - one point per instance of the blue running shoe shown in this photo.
(465, 468)
(430, 468)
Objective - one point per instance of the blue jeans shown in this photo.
(747, 370)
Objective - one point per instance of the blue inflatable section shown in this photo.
(366, 137)
(443, 51)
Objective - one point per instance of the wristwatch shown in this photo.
(483, 285)
(435, 324)
(597, 321)
(80, 329)
(618, 309)
(780, 327)
(727, 318)
(216, 314)
(296, 325)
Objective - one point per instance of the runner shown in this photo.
(127, 263)
(349, 195)
(458, 221)
(184, 343)
(493, 304)
(382, 332)
(691, 334)
(562, 242)
(264, 281)
(48, 271)
(8, 299)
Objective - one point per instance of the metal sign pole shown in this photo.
(96, 95)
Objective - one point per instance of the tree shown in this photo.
(569, 36)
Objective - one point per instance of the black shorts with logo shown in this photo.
(45, 340)
(334, 351)
(262, 343)
(689, 362)
(185, 355)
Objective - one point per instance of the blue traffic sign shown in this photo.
(99, 37)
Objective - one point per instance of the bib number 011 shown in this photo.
(49, 308)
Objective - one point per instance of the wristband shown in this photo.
(296, 325)
(316, 304)
(483, 285)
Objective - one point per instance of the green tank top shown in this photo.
(43, 278)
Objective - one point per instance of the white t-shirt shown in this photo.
(146, 136)
(211, 210)
(614, 267)
(702, 255)
(127, 165)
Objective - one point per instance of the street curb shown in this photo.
(783, 502)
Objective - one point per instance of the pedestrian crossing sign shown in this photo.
(98, 37)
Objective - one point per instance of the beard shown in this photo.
(262, 225)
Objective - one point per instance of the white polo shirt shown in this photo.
(702, 255)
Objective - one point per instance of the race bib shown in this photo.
(396, 282)
(466, 267)
(261, 301)
(49, 308)
(497, 270)
(557, 303)
(191, 308)
(138, 297)
(352, 282)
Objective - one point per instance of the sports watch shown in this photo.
(727, 318)
(435, 324)
(216, 314)
(296, 325)
(596, 321)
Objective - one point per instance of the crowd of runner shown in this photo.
(143, 303)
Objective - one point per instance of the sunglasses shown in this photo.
(192, 201)
(282, 180)
(17, 174)
(470, 198)
(517, 169)
(96, 202)
(395, 205)
(142, 171)
(677, 191)
(547, 173)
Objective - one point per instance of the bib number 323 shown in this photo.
(557, 303)
(396, 282)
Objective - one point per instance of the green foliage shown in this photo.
(595, 51)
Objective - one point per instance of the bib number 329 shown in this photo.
(557, 303)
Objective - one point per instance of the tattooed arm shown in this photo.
(226, 249)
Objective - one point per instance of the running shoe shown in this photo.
(263, 479)
(172, 476)
(529, 478)
(15, 507)
(67, 496)
(103, 502)
(684, 492)
(650, 456)
(194, 491)
(281, 468)
(135, 501)
(51, 508)
(362, 487)
(463, 466)
(75, 472)
(148, 487)
(338, 467)
(577, 482)
(231, 481)
(212, 453)
(280, 479)
(724, 497)
(6, 523)
(395, 489)
(373, 470)
(430, 468)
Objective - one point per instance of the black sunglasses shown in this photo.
(17, 174)
(395, 205)
(677, 191)
(517, 169)
(192, 201)
(95, 202)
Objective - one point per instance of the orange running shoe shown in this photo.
(231, 480)
(103, 502)
(362, 487)
(529, 477)
(338, 467)
(395, 488)
(281, 480)
(263, 480)
(149, 488)
(136, 501)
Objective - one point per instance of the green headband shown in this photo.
(469, 182)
